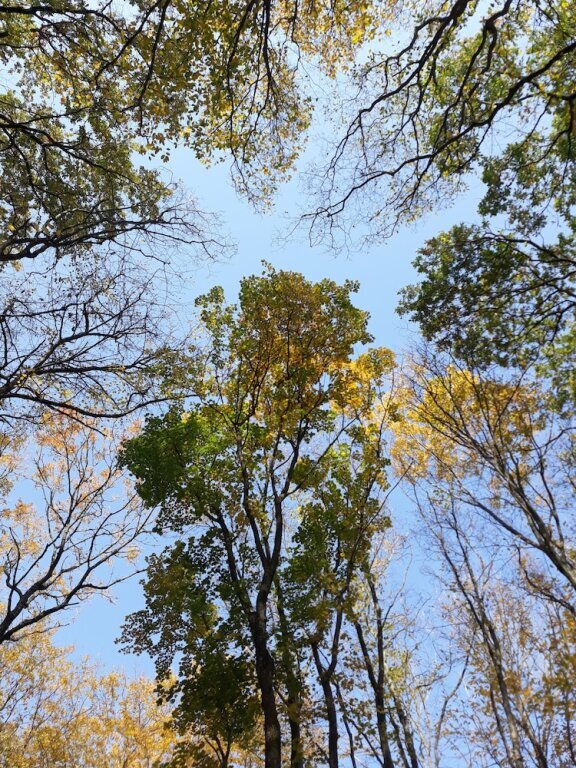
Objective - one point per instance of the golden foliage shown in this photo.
(55, 711)
(442, 418)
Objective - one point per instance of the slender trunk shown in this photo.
(407, 731)
(376, 682)
(331, 712)
(346, 720)
(264, 662)
(475, 601)
(380, 680)
(293, 686)
(383, 728)
(265, 676)
(296, 753)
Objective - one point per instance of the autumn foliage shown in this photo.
(348, 557)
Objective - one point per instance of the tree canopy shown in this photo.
(467, 83)
(274, 475)
(92, 85)
(357, 561)
(56, 711)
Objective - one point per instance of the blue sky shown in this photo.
(382, 271)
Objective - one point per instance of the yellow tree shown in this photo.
(516, 706)
(57, 711)
(89, 83)
(489, 464)
(495, 445)
(67, 544)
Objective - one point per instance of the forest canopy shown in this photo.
(350, 556)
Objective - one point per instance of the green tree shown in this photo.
(275, 467)
(333, 547)
(503, 291)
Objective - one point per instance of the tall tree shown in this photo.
(495, 446)
(281, 430)
(503, 291)
(485, 90)
(89, 87)
(516, 707)
(332, 547)
(90, 84)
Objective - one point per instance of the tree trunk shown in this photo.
(293, 685)
(296, 753)
(265, 676)
(331, 713)
(388, 762)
